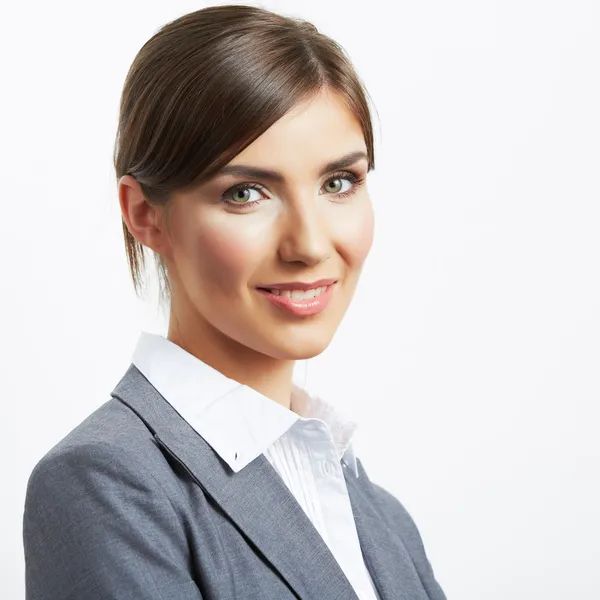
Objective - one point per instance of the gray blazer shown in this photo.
(134, 505)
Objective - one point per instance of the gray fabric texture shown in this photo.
(133, 504)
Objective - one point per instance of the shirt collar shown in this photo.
(238, 422)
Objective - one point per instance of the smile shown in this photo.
(301, 303)
(299, 294)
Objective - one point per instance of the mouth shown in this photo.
(300, 302)
(297, 294)
(293, 288)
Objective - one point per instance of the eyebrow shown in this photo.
(255, 172)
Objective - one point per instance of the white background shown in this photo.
(471, 354)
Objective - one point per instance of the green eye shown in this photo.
(335, 181)
(236, 195)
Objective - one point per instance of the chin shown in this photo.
(302, 341)
(293, 347)
(298, 349)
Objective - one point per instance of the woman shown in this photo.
(243, 147)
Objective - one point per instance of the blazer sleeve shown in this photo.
(401, 520)
(97, 525)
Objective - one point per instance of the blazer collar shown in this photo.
(274, 521)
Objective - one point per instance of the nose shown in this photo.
(305, 236)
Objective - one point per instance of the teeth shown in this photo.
(300, 294)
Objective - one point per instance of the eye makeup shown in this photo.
(227, 196)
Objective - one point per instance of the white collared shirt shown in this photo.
(306, 445)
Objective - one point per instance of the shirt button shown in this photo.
(327, 467)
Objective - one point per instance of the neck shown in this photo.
(269, 376)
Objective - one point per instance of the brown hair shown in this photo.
(206, 85)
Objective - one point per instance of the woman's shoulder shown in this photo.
(110, 435)
(112, 424)
(97, 504)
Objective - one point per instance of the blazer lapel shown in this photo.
(385, 555)
(256, 499)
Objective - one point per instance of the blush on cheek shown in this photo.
(355, 235)
(228, 255)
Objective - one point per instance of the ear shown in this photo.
(142, 218)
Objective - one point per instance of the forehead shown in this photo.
(313, 133)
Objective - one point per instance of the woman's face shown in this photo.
(312, 222)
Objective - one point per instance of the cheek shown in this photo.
(224, 255)
(354, 234)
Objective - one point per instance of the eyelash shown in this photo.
(349, 175)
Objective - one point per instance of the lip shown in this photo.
(301, 308)
(297, 285)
